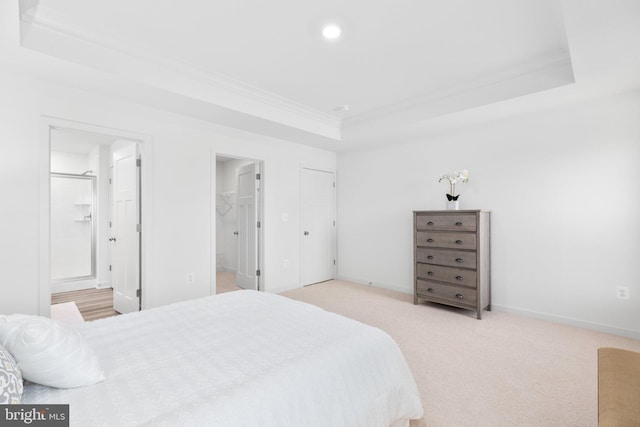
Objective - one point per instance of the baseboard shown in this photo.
(568, 321)
(523, 312)
(375, 284)
(281, 289)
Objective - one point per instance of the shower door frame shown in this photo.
(94, 201)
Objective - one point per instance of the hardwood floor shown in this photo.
(92, 303)
(98, 303)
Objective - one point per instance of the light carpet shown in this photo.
(226, 282)
(503, 370)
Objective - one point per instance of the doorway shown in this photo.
(80, 215)
(238, 223)
(318, 226)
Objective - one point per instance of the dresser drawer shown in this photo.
(459, 222)
(436, 291)
(457, 276)
(446, 257)
(437, 239)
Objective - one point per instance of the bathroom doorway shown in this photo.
(95, 231)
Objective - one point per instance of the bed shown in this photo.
(241, 358)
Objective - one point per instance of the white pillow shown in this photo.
(49, 353)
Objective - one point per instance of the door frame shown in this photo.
(261, 232)
(335, 215)
(46, 125)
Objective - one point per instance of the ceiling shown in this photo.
(264, 66)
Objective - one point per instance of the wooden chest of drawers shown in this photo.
(452, 258)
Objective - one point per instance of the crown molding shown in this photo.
(43, 19)
(541, 68)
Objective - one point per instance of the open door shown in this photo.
(125, 223)
(248, 272)
(318, 226)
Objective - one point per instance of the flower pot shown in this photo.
(452, 202)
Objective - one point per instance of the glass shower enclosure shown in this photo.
(73, 230)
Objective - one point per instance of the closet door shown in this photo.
(318, 226)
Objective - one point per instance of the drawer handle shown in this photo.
(429, 273)
(459, 260)
(460, 278)
(430, 290)
(430, 223)
(458, 242)
(429, 240)
(459, 296)
(429, 256)
(458, 223)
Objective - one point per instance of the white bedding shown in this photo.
(241, 358)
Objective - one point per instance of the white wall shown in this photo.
(101, 161)
(181, 229)
(563, 189)
(64, 162)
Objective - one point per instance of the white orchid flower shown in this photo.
(462, 175)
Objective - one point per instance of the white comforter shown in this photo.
(240, 359)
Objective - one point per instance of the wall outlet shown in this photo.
(622, 292)
(190, 279)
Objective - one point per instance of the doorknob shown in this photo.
(235, 232)
(306, 233)
(112, 239)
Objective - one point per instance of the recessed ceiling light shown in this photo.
(331, 31)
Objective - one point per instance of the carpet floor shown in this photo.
(503, 370)
(226, 282)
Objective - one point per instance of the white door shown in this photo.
(247, 226)
(318, 226)
(125, 241)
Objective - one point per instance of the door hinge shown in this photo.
(257, 272)
(109, 180)
(258, 224)
(139, 228)
(138, 292)
(334, 262)
(138, 162)
(109, 268)
(334, 223)
(334, 185)
(110, 224)
(258, 176)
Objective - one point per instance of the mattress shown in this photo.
(241, 358)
